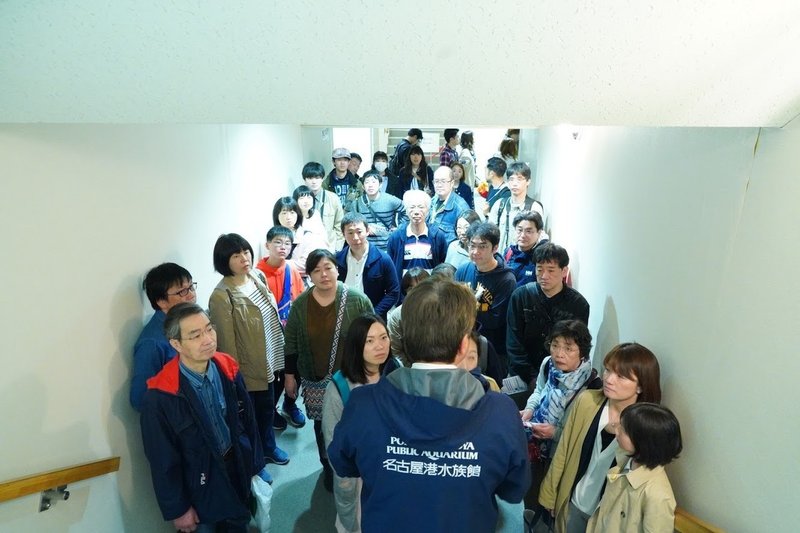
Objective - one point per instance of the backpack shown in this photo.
(344, 388)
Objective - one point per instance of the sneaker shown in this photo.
(295, 416)
(278, 422)
(265, 476)
(278, 457)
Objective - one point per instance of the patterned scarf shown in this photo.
(558, 391)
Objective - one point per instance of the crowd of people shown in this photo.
(439, 351)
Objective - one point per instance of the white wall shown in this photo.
(86, 210)
(683, 240)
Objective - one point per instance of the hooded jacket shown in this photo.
(436, 446)
(522, 263)
(355, 187)
(186, 468)
(493, 291)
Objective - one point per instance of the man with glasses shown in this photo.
(446, 205)
(199, 430)
(491, 282)
(519, 257)
(518, 178)
(286, 284)
(166, 285)
(532, 312)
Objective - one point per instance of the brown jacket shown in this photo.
(240, 330)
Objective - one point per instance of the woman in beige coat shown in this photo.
(245, 314)
(573, 485)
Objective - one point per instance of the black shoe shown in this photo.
(327, 478)
(278, 422)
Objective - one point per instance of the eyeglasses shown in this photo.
(442, 182)
(526, 231)
(556, 347)
(515, 178)
(282, 244)
(184, 292)
(209, 330)
(479, 246)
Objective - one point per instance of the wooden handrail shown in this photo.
(23, 486)
(687, 523)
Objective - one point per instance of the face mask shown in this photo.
(380, 166)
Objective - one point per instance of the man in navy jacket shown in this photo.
(367, 268)
(429, 438)
(199, 431)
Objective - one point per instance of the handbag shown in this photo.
(314, 391)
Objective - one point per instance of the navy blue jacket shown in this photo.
(186, 467)
(380, 278)
(395, 247)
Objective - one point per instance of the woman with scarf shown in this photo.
(562, 376)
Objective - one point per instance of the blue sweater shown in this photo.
(380, 278)
(429, 465)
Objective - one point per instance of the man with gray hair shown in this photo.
(199, 431)
(446, 205)
(415, 243)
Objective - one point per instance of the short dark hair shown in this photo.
(550, 252)
(467, 139)
(313, 170)
(512, 131)
(279, 231)
(633, 361)
(354, 155)
(228, 244)
(353, 217)
(469, 215)
(354, 341)
(444, 270)
(496, 165)
(159, 279)
(487, 231)
(436, 316)
(380, 155)
(412, 277)
(449, 133)
(519, 168)
(287, 203)
(303, 190)
(530, 216)
(415, 132)
(573, 330)
(372, 174)
(654, 432)
(508, 148)
(172, 324)
(316, 256)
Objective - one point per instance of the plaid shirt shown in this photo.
(448, 156)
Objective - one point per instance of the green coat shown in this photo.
(296, 333)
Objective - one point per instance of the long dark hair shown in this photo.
(353, 356)
(422, 173)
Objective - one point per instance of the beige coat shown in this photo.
(240, 330)
(556, 488)
(639, 501)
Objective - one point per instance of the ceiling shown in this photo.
(529, 63)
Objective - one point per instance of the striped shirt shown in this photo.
(273, 332)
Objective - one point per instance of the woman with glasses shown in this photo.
(572, 489)
(458, 250)
(249, 329)
(562, 375)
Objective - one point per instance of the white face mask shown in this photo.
(380, 166)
